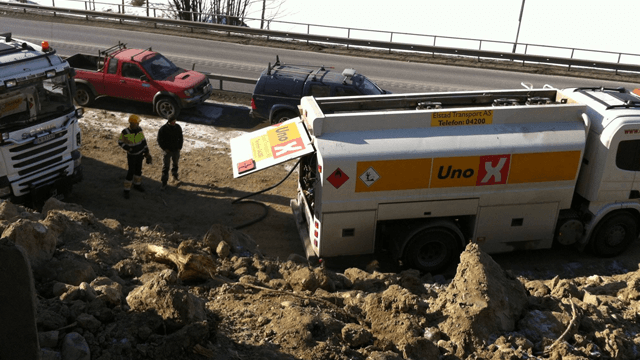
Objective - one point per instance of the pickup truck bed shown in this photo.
(84, 62)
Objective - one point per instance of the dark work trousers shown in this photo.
(166, 162)
(135, 167)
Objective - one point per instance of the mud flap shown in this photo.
(303, 230)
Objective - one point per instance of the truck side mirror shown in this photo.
(144, 78)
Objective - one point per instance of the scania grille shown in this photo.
(40, 166)
(31, 145)
(31, 158)
(52, 173)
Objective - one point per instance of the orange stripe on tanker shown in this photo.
(393, 175)
(542, 167)
(466, 171)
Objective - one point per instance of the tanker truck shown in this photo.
(422, 175)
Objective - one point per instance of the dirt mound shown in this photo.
(113, 292)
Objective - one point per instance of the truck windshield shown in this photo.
(159, 67)
(366, 86)
(35, 101)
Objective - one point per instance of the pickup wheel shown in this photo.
(84, 95)
(432, 249)
(282, 116)
(614, 234)
(167, 107)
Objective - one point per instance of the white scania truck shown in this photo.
(40, 135)
(423, 174)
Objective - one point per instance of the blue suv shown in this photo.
(278, 91)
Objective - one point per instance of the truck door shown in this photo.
(622, 181)
(111, 79)
(130, 85)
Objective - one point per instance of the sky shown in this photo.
(581, 24)
(586, 24)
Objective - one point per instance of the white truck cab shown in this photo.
(40, 135)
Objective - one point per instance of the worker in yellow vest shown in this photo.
(133, 142)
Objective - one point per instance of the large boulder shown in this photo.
(38, 242)
(240, 243)
(163, 295)
(481, 302)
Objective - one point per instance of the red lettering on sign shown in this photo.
(337, 178)
(246, 165)
(287, 148)
(493, 169)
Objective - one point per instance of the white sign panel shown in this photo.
(269, 146)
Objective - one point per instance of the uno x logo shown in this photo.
(287, 148)
(493, 169)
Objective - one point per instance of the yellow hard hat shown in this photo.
(134, 119)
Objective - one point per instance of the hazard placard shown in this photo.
(337, 178)
(269, 146)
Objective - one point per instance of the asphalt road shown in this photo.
(248, 60)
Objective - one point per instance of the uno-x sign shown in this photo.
(287, 148)
(470, 171)
(285, 140)
(494, 169)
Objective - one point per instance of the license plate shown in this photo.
(45, 138)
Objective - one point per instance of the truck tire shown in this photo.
(166, 107)
(84, 95)
(614, 234)
(282, 116)
(432, 250)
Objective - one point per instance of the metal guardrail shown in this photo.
(479, 54)
(222, 78)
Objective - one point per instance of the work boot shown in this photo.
(175, 177)
(164, 186)
(138, 187)
(126, 194)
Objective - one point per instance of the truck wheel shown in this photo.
(431, 250)
(84, 96)
(166, 107)
(282, 116)
(614, 234)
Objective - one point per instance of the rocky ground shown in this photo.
(165, 274)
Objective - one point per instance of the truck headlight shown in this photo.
(190, 92)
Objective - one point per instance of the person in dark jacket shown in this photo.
(170, 141)
(132, 140)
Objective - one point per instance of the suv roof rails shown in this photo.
(7, 36)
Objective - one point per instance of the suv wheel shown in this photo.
(282, 116)
(166, 107)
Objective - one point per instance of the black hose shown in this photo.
(266, 209)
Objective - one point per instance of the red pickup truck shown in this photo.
(141, 75)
